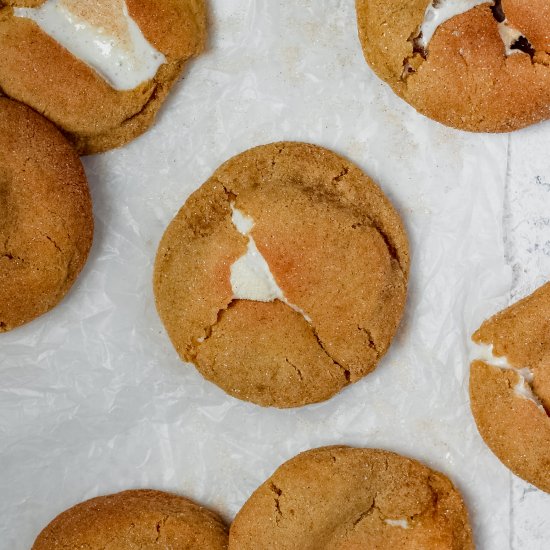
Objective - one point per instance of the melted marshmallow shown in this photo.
(251, 278)
(124, 59)
(510, 35)
(485, 353)
(440, 11)
(403, 523)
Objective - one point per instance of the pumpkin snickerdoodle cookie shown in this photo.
(99, 70)
(476, 65)
(46, 220)
(142, 519)
(510, 387)
(284, 277)
(345, 498)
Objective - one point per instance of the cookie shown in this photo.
(99, 70)
(142, 519)
(46, 221)
(475, 65)
(347, 498)
(284, 277)
(510, 387)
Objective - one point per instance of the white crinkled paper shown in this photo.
(93, 398)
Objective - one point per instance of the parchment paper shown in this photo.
(93, 399)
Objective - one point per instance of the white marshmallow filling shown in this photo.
(125, 60)
(402, 523)
(251, 278)
(523, 389)
(441, 11)
(513, 39)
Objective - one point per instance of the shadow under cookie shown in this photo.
(325, 238)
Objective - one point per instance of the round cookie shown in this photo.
(486, 69)
(37, 70)
(510, 387)
(46, 220)
(344, 498)
(334, 246)
(142, 519)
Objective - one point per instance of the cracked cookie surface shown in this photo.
(143, 519)
(516, 428)
(335, 246)
(46, 220)
(38, 71)
(464, 78)
(343, 498)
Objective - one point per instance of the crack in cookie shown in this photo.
(524, 387)
(437, 13)
(514, 40)
(251, 277)
(441, 11)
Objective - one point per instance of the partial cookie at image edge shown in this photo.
(465, 79)
(46, 218)
(510, 386)
(135, 518)
(346, 497)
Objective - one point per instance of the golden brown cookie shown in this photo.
(344, 498)
(46, 220)
(37, 70)
(510, 387)
(484, 70)
(143, 519)
(336, 249)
